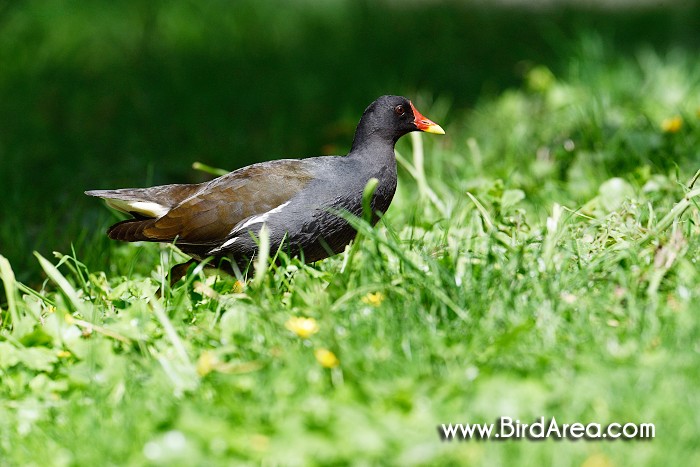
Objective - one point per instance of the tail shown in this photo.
(146, 202)
(131, 230)
(146, 205)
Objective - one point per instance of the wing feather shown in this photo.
(208, 216)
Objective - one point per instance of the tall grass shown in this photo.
(539, 261)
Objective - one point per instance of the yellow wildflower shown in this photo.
(63, 354)
(374, 299)
(206, 363)
(672, 125)
(326, 358)
(238, 287)
(597, 460)
(302, 327)
(259, 442)
(540, 79)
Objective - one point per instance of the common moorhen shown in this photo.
(298, 200)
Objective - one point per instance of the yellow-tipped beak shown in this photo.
(432, 127)
(425, 124)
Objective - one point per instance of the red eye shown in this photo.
(399, 110)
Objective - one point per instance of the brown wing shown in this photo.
(209, 215)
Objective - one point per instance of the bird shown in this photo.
(298, 200)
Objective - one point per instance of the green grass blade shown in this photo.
(208, 169)
(8, 280)
(57, 278)
(262, 256)
(367, 195)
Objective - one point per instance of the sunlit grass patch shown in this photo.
(541, 261)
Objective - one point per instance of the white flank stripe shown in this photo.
(228, 242)
(147, 208)
(260, 218)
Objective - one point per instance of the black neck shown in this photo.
(373, 140)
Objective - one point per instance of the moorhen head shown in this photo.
(297, 199)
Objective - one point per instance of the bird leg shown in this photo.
(179, 271)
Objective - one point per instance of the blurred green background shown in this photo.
(106, 94)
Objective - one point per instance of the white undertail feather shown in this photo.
(147, 208)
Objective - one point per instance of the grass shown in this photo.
(146, 88)
(535, 262)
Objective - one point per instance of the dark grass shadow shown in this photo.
(100, 96)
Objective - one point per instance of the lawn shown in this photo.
(541, 260)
